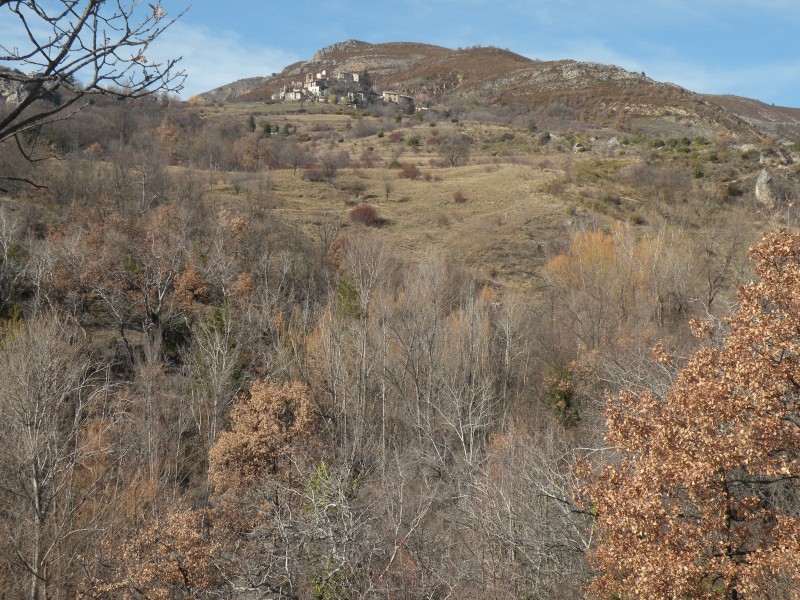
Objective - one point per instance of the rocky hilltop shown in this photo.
(498, 79)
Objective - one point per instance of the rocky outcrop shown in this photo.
(766, 190)
(346, 46)
(233, 90)
(16, 86)
(12, 91)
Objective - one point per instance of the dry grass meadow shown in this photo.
(516, 201)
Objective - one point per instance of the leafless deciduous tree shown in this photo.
(73, 49)
(55, 456)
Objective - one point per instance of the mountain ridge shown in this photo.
(588, 93)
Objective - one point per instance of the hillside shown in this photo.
(576, 93)
(353, 349)
(234, 89)
(775, 121)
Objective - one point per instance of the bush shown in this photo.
(610, 198)
(458, 197)
(357, 188)
(409, 171)
(561, 397)
(366, 214)
(314, 175)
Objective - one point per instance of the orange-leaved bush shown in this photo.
(703, 499)
(172, 558)
(268, 426)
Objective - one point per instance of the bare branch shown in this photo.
(77, 48)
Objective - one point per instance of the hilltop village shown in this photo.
(338, 88)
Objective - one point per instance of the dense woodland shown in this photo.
(207, 396)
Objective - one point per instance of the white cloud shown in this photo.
(214, 58)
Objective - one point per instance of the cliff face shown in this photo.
(12, 91)
(234, 90)
(14, 88)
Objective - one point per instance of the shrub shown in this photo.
(561, 397)
(409, 171)
(357, 188)
(314, 175)
(366, 214)
(458, 197)
(749, 155)
(610, 198)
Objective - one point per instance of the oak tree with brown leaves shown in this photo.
(266, 427)
(702, 501)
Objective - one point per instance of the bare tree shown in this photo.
(55, 455)
(454, 148)
(73, 49)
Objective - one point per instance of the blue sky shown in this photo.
(745, 47)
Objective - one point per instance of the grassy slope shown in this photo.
(523, 199)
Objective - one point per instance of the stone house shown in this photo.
(397, 98)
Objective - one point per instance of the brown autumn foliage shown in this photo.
(702, 501)
(449, 406)
(264, 427)
(366, 214)
(174, 557)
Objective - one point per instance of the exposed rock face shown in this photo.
(766, 190)
(345, 46)
(232, 90)
(15, 87)
(11, 92)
